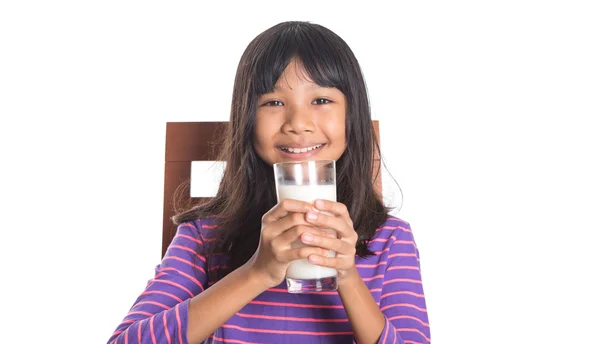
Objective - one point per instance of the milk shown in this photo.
(302, 269)
(306, 193)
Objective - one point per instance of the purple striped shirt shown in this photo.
(393, 276)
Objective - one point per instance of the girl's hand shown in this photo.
(281, 226)
(344, 244)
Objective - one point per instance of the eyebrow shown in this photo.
(312, 85)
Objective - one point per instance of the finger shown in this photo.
(301, 253)
(329, 243)
(291, 220)
(338, 224)
(330, 262)
(283, 208)
(286, 238)
(335, 208)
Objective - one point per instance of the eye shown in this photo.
(273, 103)
(321, 101)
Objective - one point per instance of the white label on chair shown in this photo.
(205, 177)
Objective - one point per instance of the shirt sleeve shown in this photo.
(402, 299)
(160, 313)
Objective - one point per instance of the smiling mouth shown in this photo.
(290, 150)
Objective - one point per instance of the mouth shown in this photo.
(300, 151)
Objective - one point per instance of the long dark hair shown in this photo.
(247, 189)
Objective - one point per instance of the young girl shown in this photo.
(298, 95)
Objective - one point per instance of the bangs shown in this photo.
(315, 49)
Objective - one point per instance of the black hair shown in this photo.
(247, 190)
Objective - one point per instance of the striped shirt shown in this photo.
(160, 314)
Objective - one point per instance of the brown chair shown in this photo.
(198, 141)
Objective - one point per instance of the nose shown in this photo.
(299, 120)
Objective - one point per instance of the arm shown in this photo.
(174, 307)
(160, 313)
(281, 227)
(211, 309)
(364, 315)
(402, 300)
(402, 313)
(366, 319)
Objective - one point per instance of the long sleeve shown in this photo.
(402, 299)
(160, 313)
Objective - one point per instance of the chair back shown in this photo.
(199, 141)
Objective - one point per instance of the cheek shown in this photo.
(259, 142)
(337, 130)
(261, 147)
(263, 132)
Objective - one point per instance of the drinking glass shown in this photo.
(307, 181)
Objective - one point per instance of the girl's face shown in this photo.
(300, 120)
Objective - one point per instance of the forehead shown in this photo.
(294, 76)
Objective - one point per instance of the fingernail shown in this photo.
(319, 203)
(313, 259)
(331, 235)
(315, 210)
(307, 237)
(311, 216)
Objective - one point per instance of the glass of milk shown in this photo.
(307, 181)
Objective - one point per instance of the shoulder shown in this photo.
(394, 239)
(393, 229)
(202, 228)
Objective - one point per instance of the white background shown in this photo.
(487, 112)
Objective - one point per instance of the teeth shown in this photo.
(300, 150)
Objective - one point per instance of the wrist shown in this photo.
(255, 278)
(351, 280)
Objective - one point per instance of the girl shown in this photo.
(298, 85)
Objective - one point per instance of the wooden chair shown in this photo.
(198, 141)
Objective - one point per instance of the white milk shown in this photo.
(302, 268)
